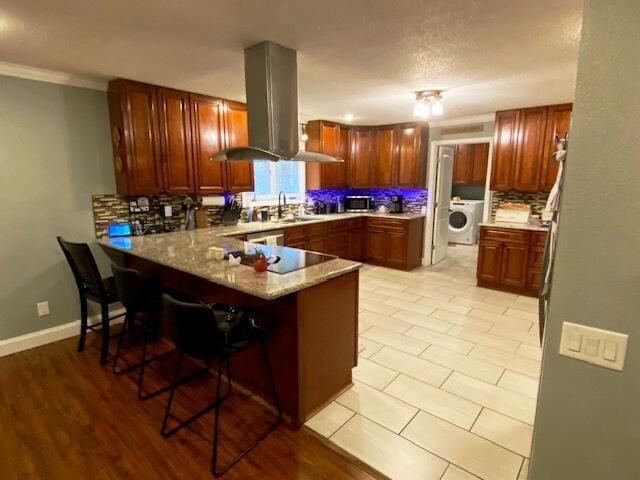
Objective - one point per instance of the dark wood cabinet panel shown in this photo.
(377, 245)
(489, 262)
(384, 164)
(558, 122)
(317, 244)
(338, 244)
(530, 148)
(361, 157)
(175, 135)
(412, 144)
(504, 150)
(462, 164)
(397, 245)
(333, 139)
(514, 265)
(208, 138)
(355, 244)
(239, 174)
(479, 164)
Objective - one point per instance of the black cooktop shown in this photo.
(281, 259)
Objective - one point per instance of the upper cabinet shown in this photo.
(470, 163)
(162, 140)
(523, 146)
(385, 156)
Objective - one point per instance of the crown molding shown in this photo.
(486, 117)
(52, 76)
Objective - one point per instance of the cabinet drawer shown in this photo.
(388, 224)
(316, 230)
(338, 226)
(504, 235)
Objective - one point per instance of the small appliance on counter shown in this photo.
(119, 229)
(513, 213)
(231, 212)
(359, 203)
(397, 204)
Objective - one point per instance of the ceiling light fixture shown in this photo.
(428, 102)
(349, 116)
(303, 132)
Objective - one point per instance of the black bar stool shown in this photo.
(207, 332)
(141, 299)
(91, 286)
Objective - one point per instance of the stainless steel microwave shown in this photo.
(359, 203)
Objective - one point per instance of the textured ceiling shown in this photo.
(359, 56)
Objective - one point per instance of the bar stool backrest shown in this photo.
(196, 330)
(83, 265)
(129, 287)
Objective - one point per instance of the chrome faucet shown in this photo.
(283, 196)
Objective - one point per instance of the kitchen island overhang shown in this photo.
(312, 313)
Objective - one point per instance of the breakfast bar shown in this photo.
(308, 302)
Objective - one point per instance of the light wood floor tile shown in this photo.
(385, 321)
(397, 294)
(505, 431)
(511, 361)
(390, 454)
(455, 473)
(473, 367)
(366, 286)
(380, 308)
(524, 471)
(362, 325)
(372, 296)
(439, 304)
(377, 406)
(373, 374)
(487, 339)
(366, 348)
(428, 292)
(462, 320)
(410, 307)
(412, 366)
(396, 340)
(396, 284)
(462, 448)
(437, 402)
(422, 320)
(529, 351)
(522, 384)
(528, 337)
(443, 340)
(501, 319)
(466, 293)
(328, 420)
(479, 305)
(496, 398)
(514, 312)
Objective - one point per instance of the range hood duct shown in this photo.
(271, 81)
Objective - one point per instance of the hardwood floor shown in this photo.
(64, 416)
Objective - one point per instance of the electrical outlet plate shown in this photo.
(43, 308)
(593, 345)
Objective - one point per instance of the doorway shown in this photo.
(446, 179)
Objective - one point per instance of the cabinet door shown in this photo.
(175, 135)
(361, 157)
(377, 245)
(504, 150)
(558, 119)
(316, 244)
(411, 163)
(344, 152)
(384, 161)
(239, 174)
(338, 244)
(489, 261)
(333, 174)
(479, 164)
(462, 164)
(514, 265)
(208, 135)
(355, 244)
(143, 139)
(530, 147)
(397, 245)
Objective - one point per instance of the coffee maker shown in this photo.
(397, 204)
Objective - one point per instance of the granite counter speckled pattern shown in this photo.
(190, 252)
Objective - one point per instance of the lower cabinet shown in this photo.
(510, 259)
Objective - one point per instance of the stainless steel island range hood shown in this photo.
(271, 82)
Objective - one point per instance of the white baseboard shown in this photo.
(49, 335)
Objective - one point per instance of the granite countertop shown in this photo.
(516, 226)
(191, 252)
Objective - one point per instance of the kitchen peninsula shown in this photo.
(312, 312)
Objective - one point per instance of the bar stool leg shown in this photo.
(104, 354)
(127, 320)
(83, 322)
(217, 413)
(172, 391)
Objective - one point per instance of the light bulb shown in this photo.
(437, 108)
(304, 137)
(349, 116)
(421, 109)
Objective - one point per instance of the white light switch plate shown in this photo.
(594, 345)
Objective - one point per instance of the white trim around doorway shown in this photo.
(431, 185)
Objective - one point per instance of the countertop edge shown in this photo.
(515, 226)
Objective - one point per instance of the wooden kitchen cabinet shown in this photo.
(470, 163)
(333, 139)
(162, 139)
(384, 161)
(362, 152)
(394, 243)
(479, 164)
(412, 144)
(510, 259)
(523, 144)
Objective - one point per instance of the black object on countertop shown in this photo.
(231, 212)
(288, 259)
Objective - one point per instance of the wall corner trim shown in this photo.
(52, 76)
(49, 335)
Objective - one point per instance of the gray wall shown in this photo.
(588, 421)
(54, 153)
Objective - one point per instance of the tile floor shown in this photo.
(447, 379)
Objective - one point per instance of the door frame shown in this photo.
(431, 186)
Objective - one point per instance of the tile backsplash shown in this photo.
(414, 199)
(537, 200)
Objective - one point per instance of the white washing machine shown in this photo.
(464, 221)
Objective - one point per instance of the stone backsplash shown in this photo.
(537, 200)
(414, 199)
